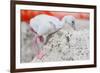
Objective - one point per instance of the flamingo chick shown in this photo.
(69, 20)
(44, 25)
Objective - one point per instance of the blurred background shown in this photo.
(26, 15)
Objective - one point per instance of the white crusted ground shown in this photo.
(64, 45)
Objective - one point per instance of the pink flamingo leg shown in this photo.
(40, 54)
(39, 41)
(36, 43)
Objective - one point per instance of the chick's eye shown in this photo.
(73, 22)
